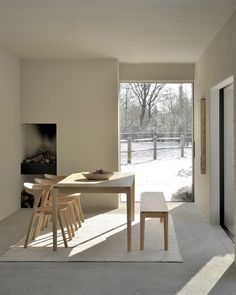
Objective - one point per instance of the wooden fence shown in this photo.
(181, 140)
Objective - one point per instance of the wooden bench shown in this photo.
(153, 204)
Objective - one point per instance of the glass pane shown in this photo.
(156, 137)
(228, 159)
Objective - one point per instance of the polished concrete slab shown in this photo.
(208, 266)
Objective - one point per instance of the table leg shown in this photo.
(54, 218)
(142, 230)
(133, 201)
(166, 234)
(129, 219)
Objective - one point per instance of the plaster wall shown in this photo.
(81, 97)
(216, 64)
(10, 134)
(157, 72)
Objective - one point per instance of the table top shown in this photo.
(118, 180)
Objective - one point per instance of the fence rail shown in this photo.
(144, 135)
(181, 141)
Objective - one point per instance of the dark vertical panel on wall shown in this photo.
(221, 150)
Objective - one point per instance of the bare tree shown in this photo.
(177, 107)
(146, 107)
(169, 105)
(148, 95)
(126, 104)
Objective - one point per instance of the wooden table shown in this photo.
(120, 182)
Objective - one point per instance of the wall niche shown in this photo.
(39, 149)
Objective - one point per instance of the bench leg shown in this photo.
(166, 231)
(142, 228)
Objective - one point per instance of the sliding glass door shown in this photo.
(227, 187)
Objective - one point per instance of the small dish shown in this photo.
(97, 176)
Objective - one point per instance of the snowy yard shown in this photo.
(168, 173)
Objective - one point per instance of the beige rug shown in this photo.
(102, 238)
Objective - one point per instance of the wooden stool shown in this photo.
(153, 204)
(40, 194)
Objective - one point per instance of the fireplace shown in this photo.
(39, 149)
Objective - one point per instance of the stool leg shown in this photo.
(70, 226)
(67, 223)
(62, 229)
(166, 231)
(38, 226)
(72, 215)
(80, 209)
(32, 219)
(48, 220)
(70, 220)
(142, 228)
(77, 213)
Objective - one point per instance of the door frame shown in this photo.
(214, 150)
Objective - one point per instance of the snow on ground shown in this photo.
(167, 174)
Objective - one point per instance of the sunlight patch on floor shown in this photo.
(207, 277)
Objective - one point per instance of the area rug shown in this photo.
(102, 237)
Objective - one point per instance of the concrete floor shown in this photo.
(208, 266)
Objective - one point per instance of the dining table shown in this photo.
(119, 182)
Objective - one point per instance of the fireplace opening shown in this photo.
(39, 146)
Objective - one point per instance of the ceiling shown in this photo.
(135, 31)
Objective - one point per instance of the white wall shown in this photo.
(157, 72)
(81, 97)
(217, 63)
(10, 134)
